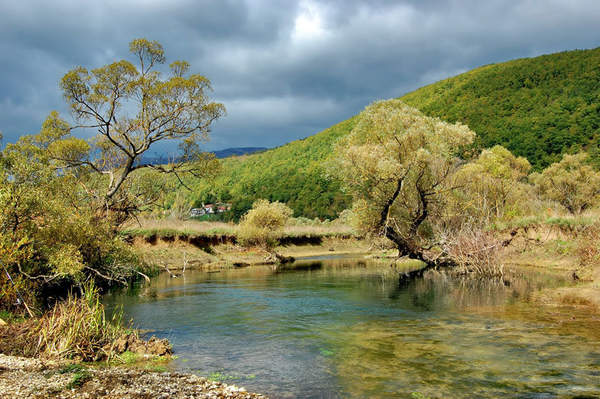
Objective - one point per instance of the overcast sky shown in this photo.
(284, 69)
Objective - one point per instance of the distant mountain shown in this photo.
(228, 152)
(537, 107)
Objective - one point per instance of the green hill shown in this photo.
(293, 173)
(536, 107)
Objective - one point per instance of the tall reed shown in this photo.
(78, 328)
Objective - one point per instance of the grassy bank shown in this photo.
(565, 245)
(175, 245)
(189, 229)
(552, 242)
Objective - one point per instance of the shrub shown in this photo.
(572, 182)
(262, 226)
(476, 251)
(493, 186)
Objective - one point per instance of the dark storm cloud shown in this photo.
(284, 69)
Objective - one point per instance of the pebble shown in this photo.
(36, 379)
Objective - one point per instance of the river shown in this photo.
(347, 328)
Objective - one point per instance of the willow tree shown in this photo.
(493, 186)
(572, 182)
(396, 163)
(132, 108)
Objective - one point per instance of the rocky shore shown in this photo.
(33, 378)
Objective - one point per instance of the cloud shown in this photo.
(285, 70)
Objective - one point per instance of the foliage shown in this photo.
(396, 164)
(572, 182)
(538, 108)
(176, 109)
(493, 186)
(50, 235)
(293, 174)
(63, 197)
(262, 225)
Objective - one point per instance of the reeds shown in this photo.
(78, 328)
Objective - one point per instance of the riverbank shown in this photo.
(34, 378)
(546, 245)
(180, 253)
(556, 249)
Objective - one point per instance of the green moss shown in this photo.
(10, 317)
(80, 374)
(79, 379)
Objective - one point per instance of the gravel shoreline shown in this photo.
(33, 378)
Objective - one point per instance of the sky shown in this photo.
(284, 69)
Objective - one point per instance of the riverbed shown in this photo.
(329, 328)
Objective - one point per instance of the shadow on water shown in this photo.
(352, 328)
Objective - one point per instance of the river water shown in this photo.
(347, 328)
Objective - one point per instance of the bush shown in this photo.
(572, 182)
(262, 226)
(476, 251)
(51, 237)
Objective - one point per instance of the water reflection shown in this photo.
(347, 328)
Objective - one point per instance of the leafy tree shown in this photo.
(572, 182)
(132, 108)
(50, 237)
(396, 163)
(492, 185)
(262, 226)
(537, 108)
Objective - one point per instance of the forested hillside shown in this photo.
(536, 107)
(293, 173)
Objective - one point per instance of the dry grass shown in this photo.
(318, 230)
(183, 226)
(76, 328)
(173, 228)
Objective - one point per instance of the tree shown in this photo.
(262, 226)
(50, 237)
(132, 108)
(492, 185)
(396, 163)
(572, 182)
